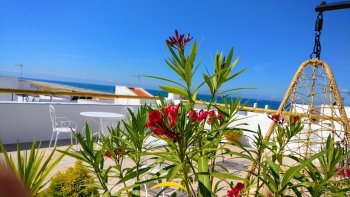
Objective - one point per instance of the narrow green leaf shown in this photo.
(293, 170)
(174, 89)
(165, 79)
(173, 172)
(225, 176)
(204, 179)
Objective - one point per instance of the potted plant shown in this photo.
(233, 135)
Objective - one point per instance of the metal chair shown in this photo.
(61, 125)
(125, 111)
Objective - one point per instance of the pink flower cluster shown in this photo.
(202, 115)
(118, 152)
(197, 117)
(277, 118)
(236, 191)
(179, 40)
(213, 116)
(159, 127)
(344, 173)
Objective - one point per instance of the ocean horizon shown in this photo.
(205, 97)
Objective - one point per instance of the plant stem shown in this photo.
(182, 155)
(186, 179)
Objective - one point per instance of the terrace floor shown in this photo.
(234, 165)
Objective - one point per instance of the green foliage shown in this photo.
(321, 180)
(193, 157)
(132, 140)
(32, 166)
(74, 182)
(91, 156)
(280, 180)
(222, 72)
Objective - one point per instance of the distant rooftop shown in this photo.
(141, 92)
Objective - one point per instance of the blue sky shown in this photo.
(113, 41)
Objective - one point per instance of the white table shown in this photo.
(102, 115)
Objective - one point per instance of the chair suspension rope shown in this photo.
(316, 53)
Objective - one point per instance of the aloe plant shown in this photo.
(33, 166)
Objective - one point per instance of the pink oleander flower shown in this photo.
(347, 172)
(202, 115)
(198, 117)
(344, 173)
(170, 113)
(276, 118)
(295, 119)
(220, 117)
(179, 41)
(212, 116)
(118, 152)
(192, 114)
(156, 122)
(236, 191)
(107, 154)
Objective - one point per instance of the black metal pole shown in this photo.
(323, 7)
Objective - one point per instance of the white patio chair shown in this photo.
(126, 113)
(61, 125)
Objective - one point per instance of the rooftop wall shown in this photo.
(25, 121)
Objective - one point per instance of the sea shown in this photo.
(205, 97)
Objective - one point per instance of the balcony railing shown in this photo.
(116, 96)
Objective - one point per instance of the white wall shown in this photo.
(8, 82)
(25, 121)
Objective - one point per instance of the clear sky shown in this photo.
(113, 40)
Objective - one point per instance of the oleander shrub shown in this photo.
(75, 181)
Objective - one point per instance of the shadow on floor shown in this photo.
(44, 144)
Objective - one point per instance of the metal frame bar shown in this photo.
(333, 6)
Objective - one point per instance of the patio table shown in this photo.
(102, 116)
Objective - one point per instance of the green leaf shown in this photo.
(176, 58)
(204, 179)
(174, 89)
(165, 79)
(304, 184)
(225, 176)
(236, 74)
(173, 171)
(209, 83)
(294, 170)
(133, 174)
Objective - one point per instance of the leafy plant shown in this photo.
(192, 146)
(322, 179)
(32, 167)
(91, 156)
(273, 175)
(75, 182)
(132, 140)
